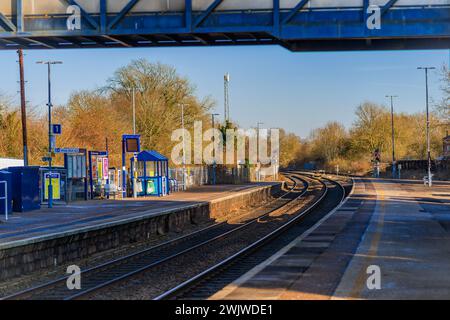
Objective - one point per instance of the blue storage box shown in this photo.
(25, 188)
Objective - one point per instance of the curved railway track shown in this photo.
(112, 272)
(208, 282)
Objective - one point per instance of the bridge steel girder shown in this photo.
(298, 29)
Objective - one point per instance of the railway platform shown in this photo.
(49, 237)
(85, 214)
(389, 240)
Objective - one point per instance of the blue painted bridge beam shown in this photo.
(297, 29)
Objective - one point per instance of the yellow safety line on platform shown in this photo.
(361, 279)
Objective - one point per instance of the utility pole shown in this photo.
(227, 97)
(23, 107)
(214, 147)
(50, 133)
(394, 169)
(430, 183)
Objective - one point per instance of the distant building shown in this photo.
(446, 146)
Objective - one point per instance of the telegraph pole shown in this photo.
(430, 183)
(23, 107)
(394, 173)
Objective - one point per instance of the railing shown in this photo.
(5, 198)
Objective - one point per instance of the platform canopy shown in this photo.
(298, 25)
(150, 155)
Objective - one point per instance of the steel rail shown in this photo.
(243, 252)
(119, 261)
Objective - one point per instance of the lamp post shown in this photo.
(428, 122)
(50, 134)
(394, 169)
(213, 115)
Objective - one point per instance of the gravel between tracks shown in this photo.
(41, 277)
(153, 282)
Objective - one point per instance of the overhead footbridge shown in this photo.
(298, 25)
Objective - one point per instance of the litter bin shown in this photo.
(25, 188)
(5, 176)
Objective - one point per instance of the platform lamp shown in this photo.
(430, 183)
(50, 134)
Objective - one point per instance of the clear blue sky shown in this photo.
(295, 91)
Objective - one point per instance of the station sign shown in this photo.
(132, 143)
(56, 185)
(56, 129)
(67, 150)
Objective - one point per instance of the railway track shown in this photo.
(111, 272)
(206, 284)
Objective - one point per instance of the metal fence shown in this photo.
(194, 176)
(203, 175)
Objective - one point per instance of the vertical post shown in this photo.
(50, 186)
(5, 184)
(6, 201)
(393, 137)
(91, 182)
(134, 109)
(214, 150)
(103, 14)
(184, 146)
(276, 17)
(23, 107)
(428, 131)
(133, 168)
(50, 135)
(107, 177)
(394, 169)
(257, 151)
(430, 182)
(188, 15)
(124, 170)
(86, 175)
(19, 15)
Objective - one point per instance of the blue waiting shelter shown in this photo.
(152, 169)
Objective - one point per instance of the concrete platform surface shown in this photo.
(401, 229)
(82, 214)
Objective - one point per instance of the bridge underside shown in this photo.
(298, 29)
